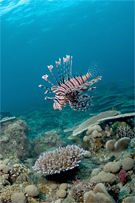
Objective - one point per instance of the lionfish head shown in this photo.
(69, 89)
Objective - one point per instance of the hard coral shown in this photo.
(127, 163)
(110, 144)
(112, 167)
(14, 140)
(125, 131)
(61, 193)
(16, 170)
(8, 191)
(32, 190)
(99, 194)
(122, 144)
(104, 177)
(18, 197)
(59, 160)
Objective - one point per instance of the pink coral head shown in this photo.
(19, 153)
(122, 176)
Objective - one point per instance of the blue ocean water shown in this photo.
(35, 33)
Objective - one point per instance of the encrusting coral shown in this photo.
(59, 160)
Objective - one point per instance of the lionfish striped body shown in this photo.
(69, 90)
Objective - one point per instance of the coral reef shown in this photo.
(106, 172)
(14, 141)
(48, 139)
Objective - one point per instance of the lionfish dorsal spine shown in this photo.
(62, 78)
(64, 70)
(45, 77)
(68, 68)
(71, 66)
(48, 89)
(58, 63)
(50, 69)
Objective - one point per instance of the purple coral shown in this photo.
(122, 176)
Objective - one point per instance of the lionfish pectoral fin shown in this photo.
(80, 102)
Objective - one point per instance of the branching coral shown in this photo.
(16, 170)
(59, 160)
(124, 131)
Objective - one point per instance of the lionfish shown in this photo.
(69, 89)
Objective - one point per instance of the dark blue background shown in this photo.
(35, 34)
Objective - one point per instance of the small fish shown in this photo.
(69, 89)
